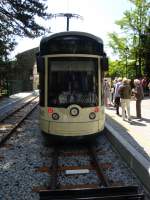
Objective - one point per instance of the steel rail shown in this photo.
(99, 169)
(8, 133)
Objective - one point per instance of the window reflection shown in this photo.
(73, 82)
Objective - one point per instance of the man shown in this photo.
(125, 96)
(117, 95)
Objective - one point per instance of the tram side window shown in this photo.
(42, 87)
(102, 88)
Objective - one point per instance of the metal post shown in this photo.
(68, 16)
(68, 23)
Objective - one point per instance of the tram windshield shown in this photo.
(72, 81)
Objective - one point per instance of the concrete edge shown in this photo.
(136, 161)
(34, 93)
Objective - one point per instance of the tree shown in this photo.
(133, 25)
(17, 18)
(119, 46)
(146, 49)
(116, 69)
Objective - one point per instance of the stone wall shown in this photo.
(25, 71)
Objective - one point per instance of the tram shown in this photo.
(71, 67)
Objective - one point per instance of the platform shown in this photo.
(5, 101)
(132, 139)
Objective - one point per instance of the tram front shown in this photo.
(71, 92)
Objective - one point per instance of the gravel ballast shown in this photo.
(26, 153)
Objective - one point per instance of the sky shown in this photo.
(99, 18)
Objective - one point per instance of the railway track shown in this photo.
(27, 169)
(12, 119)
(103, 188)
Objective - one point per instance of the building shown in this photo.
(19, 75)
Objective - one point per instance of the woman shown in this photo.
(107, 89)
(139, 95)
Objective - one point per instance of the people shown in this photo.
(117, 95)
(139, 95)
(125, 96)
(107, 91)
(113, 90)
(144, 82)
(149, 88)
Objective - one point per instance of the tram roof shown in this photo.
(73, 33)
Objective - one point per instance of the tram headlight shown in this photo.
(92, 115)
(55, 116)
(74, 111)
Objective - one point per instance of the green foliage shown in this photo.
(116, 69)
(118, 44)
(17, 18)
(133, 44)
